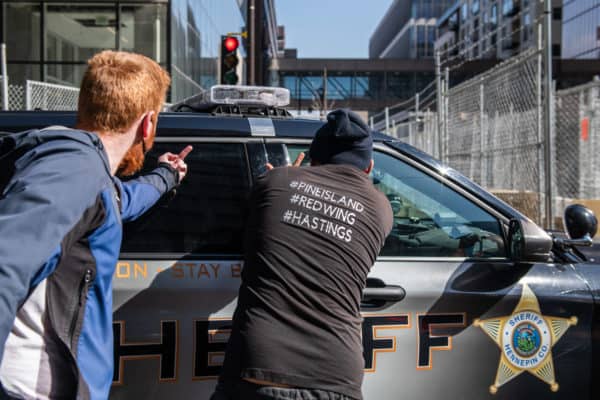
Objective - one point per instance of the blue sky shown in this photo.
(330, 28)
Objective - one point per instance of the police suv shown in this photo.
(469, 299)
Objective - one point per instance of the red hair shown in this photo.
(118, 88)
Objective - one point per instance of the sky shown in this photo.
(330, 28)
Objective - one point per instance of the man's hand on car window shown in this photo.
(296, 163)
(177, 161)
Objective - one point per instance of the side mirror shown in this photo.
(580, 221)
(527, 242)
(581, 225)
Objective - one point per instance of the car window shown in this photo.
(258, 158)
(431, 219)
(277, 154)
(259, 154)
(295, 149)
(209, 210)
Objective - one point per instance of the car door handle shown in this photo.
(387, 293)
(378, 291)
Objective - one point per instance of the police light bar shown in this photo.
(234, 94)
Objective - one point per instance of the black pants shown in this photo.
(243, 390)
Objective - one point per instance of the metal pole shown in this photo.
(446, 101)
(410, 131)
(548, 111)
(28, 95)
(4, 78)
(387, 119)
(414, 131)
(324, 91)
(252, 55)
(482, 131)
(540, 117)
(513, 139)
(394, 128)
(371, 122)
(299, 97)
(157, 55)
(417, 98)
(438, 84)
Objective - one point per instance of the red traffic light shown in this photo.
(231, 43)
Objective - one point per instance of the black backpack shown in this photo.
(12, 147)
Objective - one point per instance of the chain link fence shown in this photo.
(16, 96)
(491, 129)
(44, 96)
(418, 130)
(577, 147)
(36, 95)
(423, 132)
(414, 121)
(494, 132)
(51, 97)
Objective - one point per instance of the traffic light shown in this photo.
(229, 60)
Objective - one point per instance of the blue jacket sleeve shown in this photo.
(48, 193)
(139, 195)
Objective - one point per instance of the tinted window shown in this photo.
(277, 154)
(260, 154)
(430, 219)
(258, 158)
(208, 212)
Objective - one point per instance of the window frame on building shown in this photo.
(54, 69)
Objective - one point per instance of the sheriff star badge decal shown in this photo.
(526, 339)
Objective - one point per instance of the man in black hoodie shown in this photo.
(312, 236)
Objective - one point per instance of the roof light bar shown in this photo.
(234, 94)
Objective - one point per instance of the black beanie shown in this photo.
(344, 139)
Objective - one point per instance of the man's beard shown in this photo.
(133, 161)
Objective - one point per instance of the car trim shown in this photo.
(422, 259)
(438, 259)
(179, 256)
(279, 140)
(213, 139)
(261, 127)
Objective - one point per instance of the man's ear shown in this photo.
(147, 124)
(370, 167)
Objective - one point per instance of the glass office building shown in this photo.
(51, 40)
(408, 29)
(581, 29)
(196, 27)
(494, 29)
